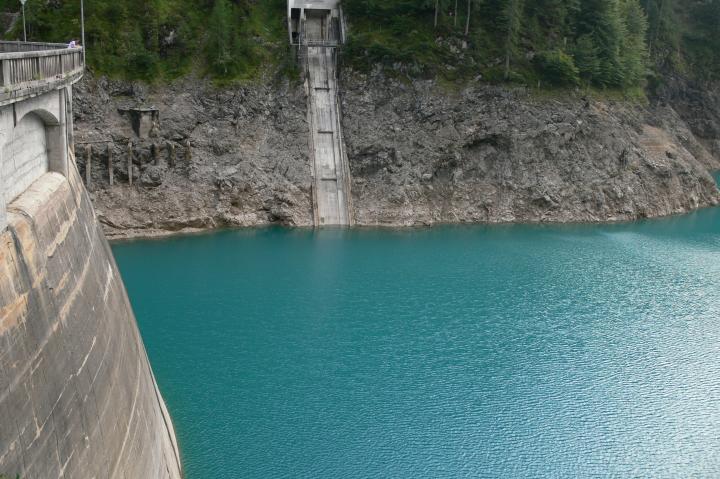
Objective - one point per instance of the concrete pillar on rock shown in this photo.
(88, 166)
(171, 154)
(111, 173)
(130, 162)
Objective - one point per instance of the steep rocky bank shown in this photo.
(247, 164)
(418, 154)
(488, 154)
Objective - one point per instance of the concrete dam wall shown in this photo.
(78, 398)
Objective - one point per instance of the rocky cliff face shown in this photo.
(247, 163)
(418, 154)
(697, 103)
(489, 154)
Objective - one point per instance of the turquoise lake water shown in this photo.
(510, 351)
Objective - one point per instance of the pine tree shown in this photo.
(512, 16)
(586, 58)
(554, 18)
(633, 52)
(141, 62)
(467, 20)
(702, 43)
(221, 43)
(601, 20)
(662, 25)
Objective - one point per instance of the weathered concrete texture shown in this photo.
(330, 168)
(33, 141)
(77, 395)
(24, 156)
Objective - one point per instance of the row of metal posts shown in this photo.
(154, 149)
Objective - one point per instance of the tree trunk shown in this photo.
(455, 15)
(467, 20)
(507, 64)
(513, 15)
(656, 32)
(437, 7)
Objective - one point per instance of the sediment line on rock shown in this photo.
(418, 155)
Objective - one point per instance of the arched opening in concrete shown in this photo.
(32, 142)
(24, 155)
(55, 137)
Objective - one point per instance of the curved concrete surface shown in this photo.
(77, 396)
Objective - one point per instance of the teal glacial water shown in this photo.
(511, 351)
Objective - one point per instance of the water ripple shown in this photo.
(577, 351)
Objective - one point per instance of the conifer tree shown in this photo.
(633, 54)
(586, 58)
(512, 16)
(467, 19)
(601, 20)
(221, 38)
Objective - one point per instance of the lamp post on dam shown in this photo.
(35, 113)
(80, 396)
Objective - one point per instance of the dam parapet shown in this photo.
(34, 68)
(77, 395)
(35, 113)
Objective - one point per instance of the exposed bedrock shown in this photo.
(418, 154)
(247, 164)
(487, 154)
(77, 396)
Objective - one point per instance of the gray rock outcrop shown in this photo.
(488, 154)
(418, 154)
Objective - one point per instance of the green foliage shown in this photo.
(633, 49)
(587, 57)
(600, 19)
(557, 68)
(512, 20)
(604, 44)
(395, 32)
(143, 63)
(163, 39)
(600, 42)
(222, 44)
(702, 39)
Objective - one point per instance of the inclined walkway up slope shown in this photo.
(331, 178)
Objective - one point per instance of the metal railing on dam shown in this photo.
(77, 393)
(35, 113)
(28, 69)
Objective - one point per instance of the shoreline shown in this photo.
(159, 234)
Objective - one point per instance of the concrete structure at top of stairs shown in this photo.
(316, 27)
(325, 26)
(77, 396)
